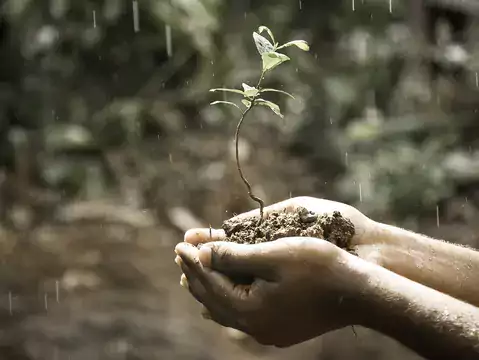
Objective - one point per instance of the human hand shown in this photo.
(302, 287)
(365, 228)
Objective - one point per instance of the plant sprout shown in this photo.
(271, 58)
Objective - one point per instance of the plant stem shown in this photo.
(248, 185)
(238, 128)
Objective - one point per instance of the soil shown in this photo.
(334, 228)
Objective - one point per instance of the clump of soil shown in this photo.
(302, 222)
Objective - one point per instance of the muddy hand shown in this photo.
(364, 226)
(292, 298)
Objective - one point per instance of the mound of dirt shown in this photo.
(302, 222)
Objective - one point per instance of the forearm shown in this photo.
(429, 322)
(443, 266)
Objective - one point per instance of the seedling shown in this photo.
(271, 58)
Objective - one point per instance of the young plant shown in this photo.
(271, 58)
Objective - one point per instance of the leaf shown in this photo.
(262, 44)
(246, 103)
(271, 105)
(303, 45)
(227, 103)
(276, 90)
(250, 91)
(270, 33)
(273, 59)
(228, 90)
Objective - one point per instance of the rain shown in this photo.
(130, 127)
(136, 16)
(169, 42)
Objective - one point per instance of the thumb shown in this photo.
(231, 258)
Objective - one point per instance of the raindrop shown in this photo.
(45, 300)
(300, 5)
(170, 157)
(94, 18)
(10, 302)
(346, 159)
(437, 215)
(477, 80)
(331, 120)
(57, 291)
(353, 5)
(390, 6)
(136, 16)
(360, 193)
(169, 43)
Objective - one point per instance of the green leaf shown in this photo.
(246, 103)
(250, 91)
(271, 105)
(227, 103)
(273, 59)
(276, 90)
(270, 33)
(303, 45)
(262, 44)
(228, 90)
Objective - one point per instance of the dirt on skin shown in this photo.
(302, 222)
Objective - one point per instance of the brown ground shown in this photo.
(109, 289)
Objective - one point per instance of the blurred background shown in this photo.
(109, 151)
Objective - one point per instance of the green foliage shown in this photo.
(270, 60)
(81, 65)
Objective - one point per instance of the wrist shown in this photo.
(356, 292)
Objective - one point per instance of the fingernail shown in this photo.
(178, 246)
(184, 281)
(204, 254)
(178, 260)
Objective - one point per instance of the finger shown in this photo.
(196, 289)
(200, 236)
(190, 259)
(227, 322)
(184, 281)
(257, 260)
(219, 288)
(218, 301)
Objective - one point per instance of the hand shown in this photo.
(302, 287)
(365, 228)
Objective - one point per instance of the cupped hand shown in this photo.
(364, 226)
(301, 288)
